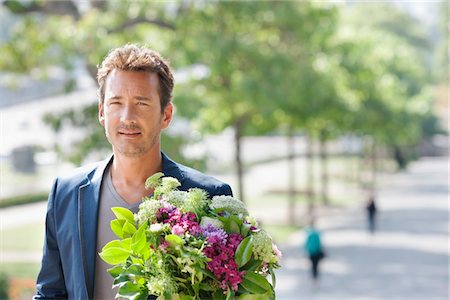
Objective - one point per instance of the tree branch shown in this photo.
(142, 20)
(48, 7)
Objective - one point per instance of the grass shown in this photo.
(23, 199)
(23, 238)
(21, 270)
(281, 233)
(22, 275)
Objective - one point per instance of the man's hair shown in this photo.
(133, 58)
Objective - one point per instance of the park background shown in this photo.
(304, 107)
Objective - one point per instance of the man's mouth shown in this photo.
(129, 133)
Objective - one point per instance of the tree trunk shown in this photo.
(324, 167)
(291, 175)
(310, 175)
(238, 160)
(373, 167)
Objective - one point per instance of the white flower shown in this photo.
(176, 198)
(207, 220)
(263, 247)
(229, 204)
(156, 227)
(147, 211)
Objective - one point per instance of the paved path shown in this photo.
(406, 259)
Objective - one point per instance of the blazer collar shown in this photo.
(88, 200)
(171, 168)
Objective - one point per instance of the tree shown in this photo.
(239, 62)
(63, 34)
(386, 84)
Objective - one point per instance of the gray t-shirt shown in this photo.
(109, 198)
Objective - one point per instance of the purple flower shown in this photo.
(214, 234)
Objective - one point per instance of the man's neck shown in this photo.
(129, 174)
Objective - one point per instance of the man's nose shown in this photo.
(128, 114)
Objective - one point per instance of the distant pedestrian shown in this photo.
(371, 209)
(314, 249)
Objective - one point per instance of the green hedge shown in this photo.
(23, 199)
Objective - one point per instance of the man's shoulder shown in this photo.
(80, 174)
(192, 178)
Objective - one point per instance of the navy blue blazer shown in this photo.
(68, 263)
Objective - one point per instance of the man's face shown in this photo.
(131, 112)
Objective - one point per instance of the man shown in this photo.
(371, 209)
(135, 92)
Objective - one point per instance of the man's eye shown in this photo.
(142, 103)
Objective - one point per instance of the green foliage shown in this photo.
(244, 251)
(282, 66)
(4, 286)
(256, 283)
(23, 199)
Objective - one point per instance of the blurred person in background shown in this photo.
(371, 210)
(135, 93)
(314, 249)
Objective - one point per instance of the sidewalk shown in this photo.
(406, 259)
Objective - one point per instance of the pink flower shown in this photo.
(276, 251)
(178, 230)
(163, 246)
(222, 262)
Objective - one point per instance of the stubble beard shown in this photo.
(129, 150)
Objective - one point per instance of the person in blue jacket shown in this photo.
(314, 249)
(135, 105)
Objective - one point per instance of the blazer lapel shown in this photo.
(170, 168)
(88, 200)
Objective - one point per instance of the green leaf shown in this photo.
(126, 243)
(139, 240)
(154, 180)
(113, 244)
(255, 283)
(245, 229)
(142, 296)
(134, 270)
(218, 295)
(252, 265)
(129, 290)
(174, 240)
(146, 253)
(115, 271)
(274, 279)
(206, 287)
(230, 295)
(121, 280)
(235, 224)
(123, 214)
(116, 227)
(128, 229)
(234, 227)
(244, 251)
(254, 296)
(115, 255)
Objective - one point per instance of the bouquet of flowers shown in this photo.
(182, 245)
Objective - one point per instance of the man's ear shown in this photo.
(101, 116)
(167, 116)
